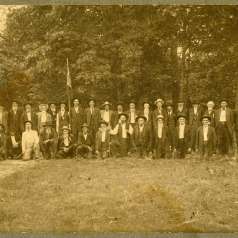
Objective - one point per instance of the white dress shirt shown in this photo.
(160, 130)
(29, 139)
(146, 113)
(28, 115)
(106, 116)
(66, 141)
(195, 110)
(223, 115)
(103, 136)
(205, 133)
(132, 117)
(181, 131)
(76, 109)
(43, 116)
(141, 128)
(85, 136)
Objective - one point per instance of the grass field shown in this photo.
(119, 195)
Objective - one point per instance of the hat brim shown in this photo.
(141, 117)
(123, 114)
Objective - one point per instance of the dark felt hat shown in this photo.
(103, 122)
(206, 117)
(27, 121)
(85, 125)
(141, 116)
(181, 115)
(123, 114)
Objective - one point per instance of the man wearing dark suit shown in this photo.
(62, 118)
(85, 143)
(4, 118)
(195, 114)
(171, 123)
(116, 113)
(107, 113)
(159, 111)
(77, 118)
(147, 113)
(224, 128)
(181, 109)
(28, 115)
(142, 137)
(182, 137)
(206, 138)
(162, 140)
(53, 113)
(132, 113)
(93, 118)
(14, 125)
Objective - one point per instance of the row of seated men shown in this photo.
(159, 132)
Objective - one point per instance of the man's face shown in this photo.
(43, 108)
(180, 104)
(141, 121)
(62, 106)
(85, 129)
(52, 107)
(120, 108)
(76, 102)
(146, 105)
(65, 132)
(14, 106)
(223, 104)
(159, 104)
(122, 118)
(107, 107)
(132, 105)
(28, 108)
(181, 120)
(160, 120)
(169, 108)
(210, 105)
(28, 126)
(91, 103)
(205, 121)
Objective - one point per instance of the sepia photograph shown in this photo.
(118, 118)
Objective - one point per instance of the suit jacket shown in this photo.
(82, 141)
(52, 136)
(93, 119)
(14, 123)
(77, 118)
(110, 116)
(5, 120)
(115, 118)
(142, 138)
(61, 144)
(171, 120)
(150, 117)
(62, 120)
(166, 137)
(33, 120)
(156, 113)
(129, 115)
(211, 142)
(39, 120)
(229, 118)
(195, 119)
(184, 112)
(53, 116)
(187, 137)
(99, 140)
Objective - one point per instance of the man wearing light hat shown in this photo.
(224, 127)
(210, 112)
(158, 111)
(206, 138)
(162, 140)
(106, 113)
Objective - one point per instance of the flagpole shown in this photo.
(69, 87)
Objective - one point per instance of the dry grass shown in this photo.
(121, 195)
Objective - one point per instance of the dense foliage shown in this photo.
(120, 52)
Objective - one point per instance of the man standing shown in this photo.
(93, 118)
(147, 113)
(48, 141)
(206, 138)
(30, 142)
(182, 137)
(123, 130)
(28, 115)
(171, 124)
(211, 112)
(132, 113)
(115, 115)
(77, 118)
(142, 137)
(53, 113)
(224, 127)
(181, 109)
(162, 140)
(158, 111)
(3, 118)
(43, 117)
(194, 122)
(106, 113)
(14, 125)
(3, 143)
(62, 118)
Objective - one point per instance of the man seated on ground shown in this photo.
(103, 141)
(48, 141)
(65, 145)
(3, 143)
(206, 138)
(85, 143)
(30, 142)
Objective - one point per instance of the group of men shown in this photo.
(168, 131)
